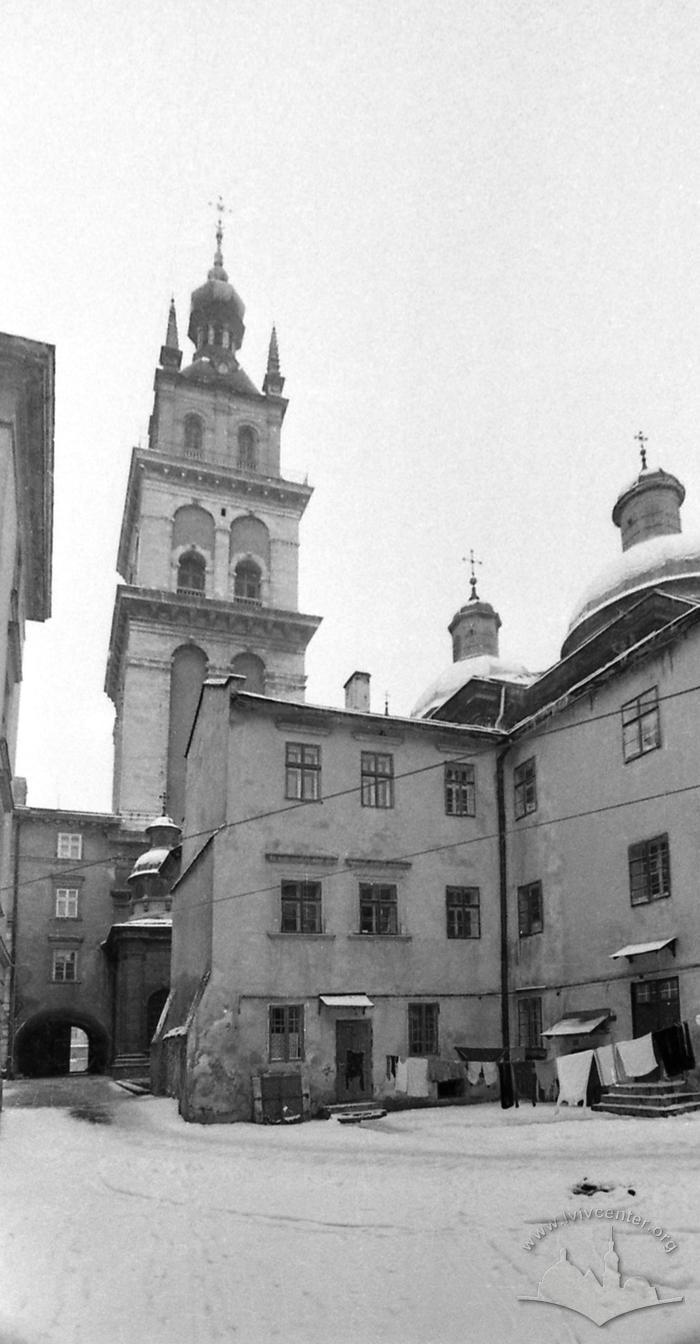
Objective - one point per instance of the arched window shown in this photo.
(247, 580)
(194, 435)
(191, 573)
(247, 448)
(251, 667)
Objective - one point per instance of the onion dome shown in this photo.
(163, 831)
(149, 864)
(216, 312)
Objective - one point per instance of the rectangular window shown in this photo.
(462, 905)
(525, 788)
(66, 903)
(530, 1023)
(70, 845)
(650, 870)
(378, 908)
(65, 966)
(460, 791)
(377, 779)
(641, 729)
(302, 772)
(423, 1028)
(530, 915)
(286, 1031)
(301, 907)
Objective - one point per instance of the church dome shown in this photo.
(483, 667)
(673, 559)
(216, 310)
(149, 864)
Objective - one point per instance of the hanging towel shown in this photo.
(417, 1083)
(607, 1068)
(546, 1074)
(573, 1071)
(490, 1073)
(473, 1072)
(672, 1046)
(505, 1075)
(401, 1076)
(637, 1056)
(525, 1081)
(690, 1054)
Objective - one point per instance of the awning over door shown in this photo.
(579, 1024)
(638, 949)
(346, 1000)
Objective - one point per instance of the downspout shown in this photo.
(503, 892)
(10, 1063)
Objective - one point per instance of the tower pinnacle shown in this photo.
(273, 381)
(170, 353)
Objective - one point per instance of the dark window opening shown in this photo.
(378, 908)
(301, 907)
(525, 788)
(460, 791)
(463, 912)
(248, 581)
(530, 913)
(423, 1028)
(650, 870)
(302, 772)
(286, 1032)
(191, 573)
(641, 728)
(377, 779)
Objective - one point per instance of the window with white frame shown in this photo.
(460, 790)
(377, 779)
(641, 728)
(65, 966)
(302, 777)
(650, 870)
(525, 788)
(378, 908)
(286, 1037)
(70, 845)
(66, 902)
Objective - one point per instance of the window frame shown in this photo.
(529, 896)
(639, 713)
(377, 779)
(376, 908)
(525, 788)
(65, 956)
(652, 868)
(458, 903)
(460, 794)
(191, 563)
(295, 896)
(423, 1029)
(247, 576)
(62, 896)
(70, 837)
(289, 1013)
(530, 1023)
(303, 774)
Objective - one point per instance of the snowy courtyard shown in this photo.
(135, 1226)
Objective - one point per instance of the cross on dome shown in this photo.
(642, 439)
(472, 561)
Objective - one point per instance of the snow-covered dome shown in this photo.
(484, 667)
(658, 562)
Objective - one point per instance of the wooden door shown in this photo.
(353, 1060)
(655, 1004)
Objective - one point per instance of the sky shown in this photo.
(477, 229)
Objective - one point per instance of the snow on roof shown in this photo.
(483, 667)
(649, 562)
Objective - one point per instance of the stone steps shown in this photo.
(353, 1113)
(648, 1100)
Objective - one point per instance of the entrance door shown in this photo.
(353, 1060)
(655, 1004)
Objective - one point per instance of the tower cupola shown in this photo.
(216, 325)
(474, 628)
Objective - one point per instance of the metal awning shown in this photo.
(578, 1024)
(638, 949)
(346, 1000)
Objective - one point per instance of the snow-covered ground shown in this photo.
(407, 1229)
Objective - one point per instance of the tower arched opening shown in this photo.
(191, 573)
(251, 667)
(247, 580)
(193, 435)
(247, 448)
(188, 670)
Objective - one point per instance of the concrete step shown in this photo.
(352, 1113)
(668, 1088)
(647, 1108)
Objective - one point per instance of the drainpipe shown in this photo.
(503, 891)
(10, 1067)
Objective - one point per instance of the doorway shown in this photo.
(353, 1060)
(655, 1004)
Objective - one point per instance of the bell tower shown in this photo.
(208, 551)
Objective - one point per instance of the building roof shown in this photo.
(484, 667)
(660, 560)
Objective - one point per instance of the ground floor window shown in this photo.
(530, 1023)
(286, 1031)
(423, 1028)
(655, 1004)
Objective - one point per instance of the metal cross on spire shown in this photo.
(642, 439)
(472, 561)
(221, 210)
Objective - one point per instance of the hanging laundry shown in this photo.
(473, 1072)
(505, 1075)
(402, 1076)
(490, 1073)
(637, 1056)
(672, 1045)
(690, 1053)
(547, 1081)
(525, 1081)
(573, 1073)
(607, 1067)
(417, 1082)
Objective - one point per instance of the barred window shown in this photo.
(302, 772)
(423, 1028)
(525, 788)
(530, 913)
(301, 907)
(286, 1031)
(66, 903)
(530, 1023)
(641, 728)
(377, 779)
(650, 870)
(463, 914)
(378, 908)
(460, 791)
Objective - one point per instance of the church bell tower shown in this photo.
(208, 552)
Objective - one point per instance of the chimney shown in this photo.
(357, 692)
(19, 791)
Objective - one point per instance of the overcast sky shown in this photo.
(476, 225)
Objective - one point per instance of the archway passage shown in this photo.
(43, 1045)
